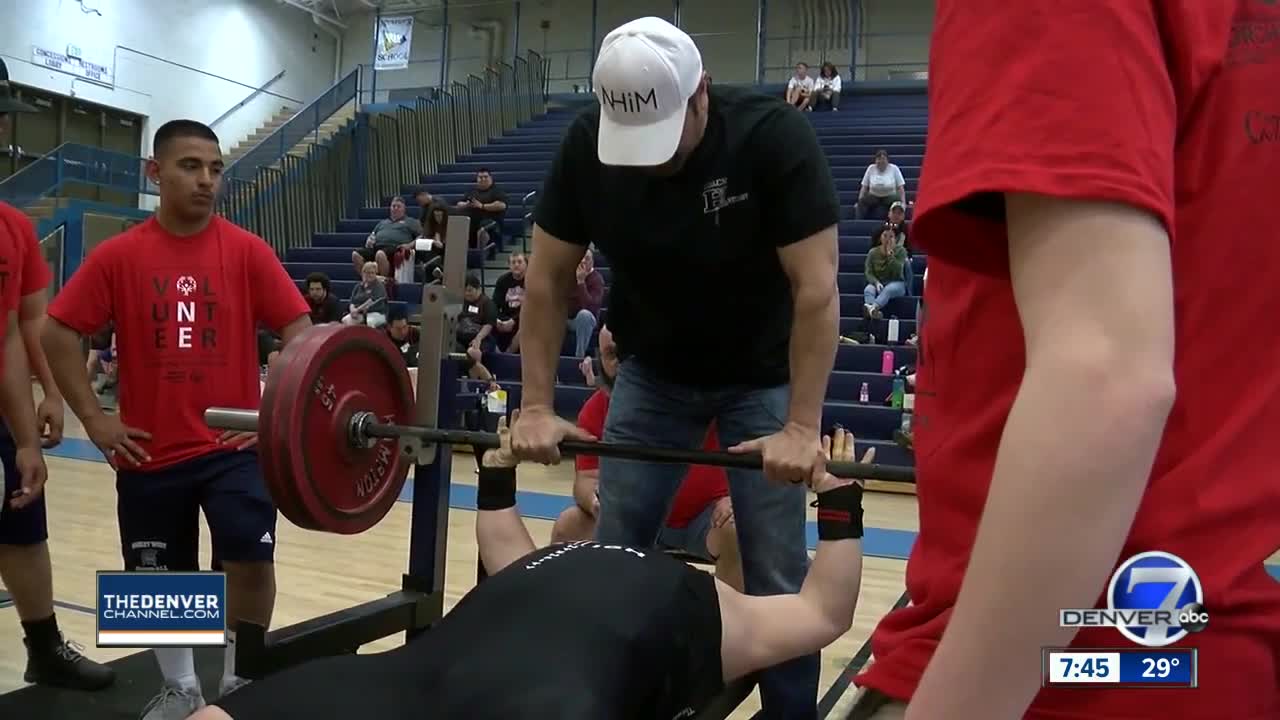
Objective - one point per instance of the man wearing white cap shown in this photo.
(673, 179)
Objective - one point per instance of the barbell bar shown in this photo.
(336, 436)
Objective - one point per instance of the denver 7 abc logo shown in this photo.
(1154, 599)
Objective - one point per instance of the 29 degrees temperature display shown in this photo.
(1136, 667)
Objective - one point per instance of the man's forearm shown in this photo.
(16, 401)
(38, 363)
(1073, 462)
(66, 363)
(831, 586)
(502, 538)
(542, 329)
(814, 331)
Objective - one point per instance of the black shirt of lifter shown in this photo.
(582, 631)
(757, 182)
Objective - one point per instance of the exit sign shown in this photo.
(73, 51)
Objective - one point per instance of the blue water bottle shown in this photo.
(899, 390)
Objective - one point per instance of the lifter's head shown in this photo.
(653, 96)
(186, 164)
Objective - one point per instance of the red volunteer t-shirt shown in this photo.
(16, 235)
(1165, 106)
(701, 487)
(186, 311)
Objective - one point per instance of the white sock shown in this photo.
(178, 665)
(229, 661)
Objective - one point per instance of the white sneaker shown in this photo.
(173, 703)
(234, 685)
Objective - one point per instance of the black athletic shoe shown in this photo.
(65, 667)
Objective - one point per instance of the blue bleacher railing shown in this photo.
(306, 122)
(75, 163)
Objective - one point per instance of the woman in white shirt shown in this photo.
(882, 186)
(800, 88)
(826, 89)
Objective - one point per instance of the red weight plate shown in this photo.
(275, 435)
(345, 489)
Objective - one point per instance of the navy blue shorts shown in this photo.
(159, 513)
(30, 525)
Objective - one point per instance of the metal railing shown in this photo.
(412, 142)
(306, 122)
(51, 247)
(309, 190)
(75, 163)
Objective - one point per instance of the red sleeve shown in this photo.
(591, 418)
(276, 300)
(1071, 100)
(36, 274)
(84, 303)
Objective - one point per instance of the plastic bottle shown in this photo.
(886, 362)
(864, 395)
(899, 389)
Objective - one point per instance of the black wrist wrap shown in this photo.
(496, 488)
(840, 513)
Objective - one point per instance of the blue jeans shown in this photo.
(583, 326)
(890, 291)
(635, 497)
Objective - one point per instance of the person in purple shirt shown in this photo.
(585, 304)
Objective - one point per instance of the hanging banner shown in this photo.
(391, 40)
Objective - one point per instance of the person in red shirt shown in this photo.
(1065, 422)
(700, 521)
(186, 290)
(25, 567)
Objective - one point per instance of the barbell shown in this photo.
(338, 407)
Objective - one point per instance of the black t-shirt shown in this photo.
(326, 312)
(493, 194)
(583, 631)
(408, 347)
(757, 182)
(475, 315)
(508, 294)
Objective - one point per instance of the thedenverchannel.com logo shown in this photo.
(1155, 599)
(150, 609)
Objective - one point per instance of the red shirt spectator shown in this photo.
(588, 294)
(184, 310)
(701, 487)
(16, 234)
(1174, 127)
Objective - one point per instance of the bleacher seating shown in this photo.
(518, 160)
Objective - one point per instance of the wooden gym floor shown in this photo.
(319, 573)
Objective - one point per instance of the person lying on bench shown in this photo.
(580, 631)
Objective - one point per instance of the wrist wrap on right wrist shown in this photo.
(840, 513)
(496, 488)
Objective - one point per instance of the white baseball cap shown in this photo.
(644, 76)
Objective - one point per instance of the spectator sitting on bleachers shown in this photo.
(486, 204)
(508, 295)
(826, 89)
(368, 300)
(475, 327)
(882, 186)
(388, 236)
(898, 221)
(800, 88)
(435, 227)
(324, 306)
(269, 346)
(700, 521)
(884, 273)
(425, 200)
(585, 304)
(403, 335)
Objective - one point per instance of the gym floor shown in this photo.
(319, 573)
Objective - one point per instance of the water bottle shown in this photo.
(864, 395)
(899, 389)
(906, 421)
(886, 362)
(893, 330)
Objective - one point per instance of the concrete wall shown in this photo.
(894, 36)
(248, 41)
